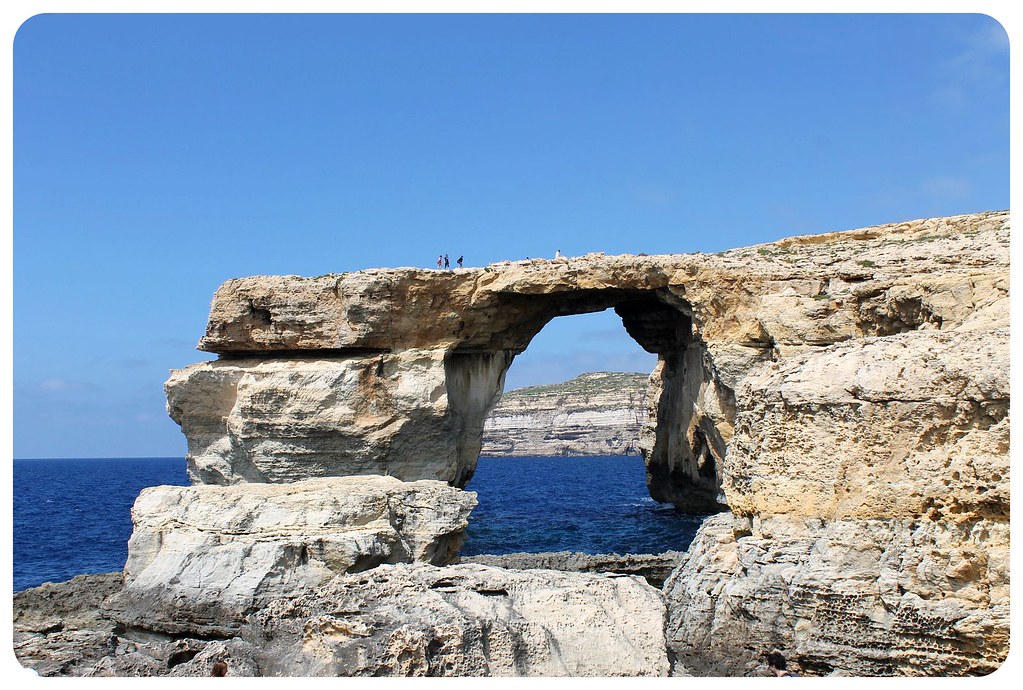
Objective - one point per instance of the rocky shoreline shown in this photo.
(64, 629)
(840, 401)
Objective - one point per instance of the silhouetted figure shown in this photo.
(460, 261)
(446, 263)
(440, 260)
(219, 669)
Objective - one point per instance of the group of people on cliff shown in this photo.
(442, 261)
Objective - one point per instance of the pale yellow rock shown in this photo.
(899, 427)
(449, 336)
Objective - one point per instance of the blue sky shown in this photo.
(157, 156)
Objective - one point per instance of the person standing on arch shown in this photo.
(459, 262)
(440, 260)
(446, 263)
(557, 253)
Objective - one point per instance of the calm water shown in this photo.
(74, 516)
(591, 505)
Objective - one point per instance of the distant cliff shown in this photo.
(599, 413)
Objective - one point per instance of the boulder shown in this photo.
(201, 558)
(465, 620)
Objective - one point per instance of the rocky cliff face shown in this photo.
(844, 397)
(599, 413)
(418, 355)
(869, 532)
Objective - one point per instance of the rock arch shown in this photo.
(394, 372)
(681, 450)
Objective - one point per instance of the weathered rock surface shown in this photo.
(420, 620)
(806, 289)
(283, 420)
(652, 567)
(599, 413)
(853, 597)
(469, 620)
(201, 557)
(869, 483)
(62, 629)
(844, 395)
(710, 318)
(902, 427)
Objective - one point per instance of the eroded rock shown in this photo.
(200, 558)
(869, 483)
(466, 620)
(424, 352)
(846, 596)
(402, 620)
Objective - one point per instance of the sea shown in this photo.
(73, 516)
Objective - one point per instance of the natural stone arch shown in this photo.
(681, 451)
(391, 371)
(394, 372)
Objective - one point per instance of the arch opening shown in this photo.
(561, 469)
(681, 444)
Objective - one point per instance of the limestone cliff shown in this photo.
(869, 484)
(402, 366)
(599, 413)
(843, 396)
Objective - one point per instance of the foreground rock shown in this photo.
(63, 629)
(599, 413)
(852, 597)
(201, 558)
(469, 620)
(652, 567)
(870, 486)
(410, 620)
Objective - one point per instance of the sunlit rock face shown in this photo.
(421, 353)
(201, 557)
(466, 620)
(408, 619)
(869, 484)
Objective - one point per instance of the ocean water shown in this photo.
(585, 504)
(74, 516)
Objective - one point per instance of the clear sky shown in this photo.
(157, 156)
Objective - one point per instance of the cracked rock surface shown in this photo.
(201, 557)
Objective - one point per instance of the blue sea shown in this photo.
(74, 516)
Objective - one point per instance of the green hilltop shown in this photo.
(592, 382)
